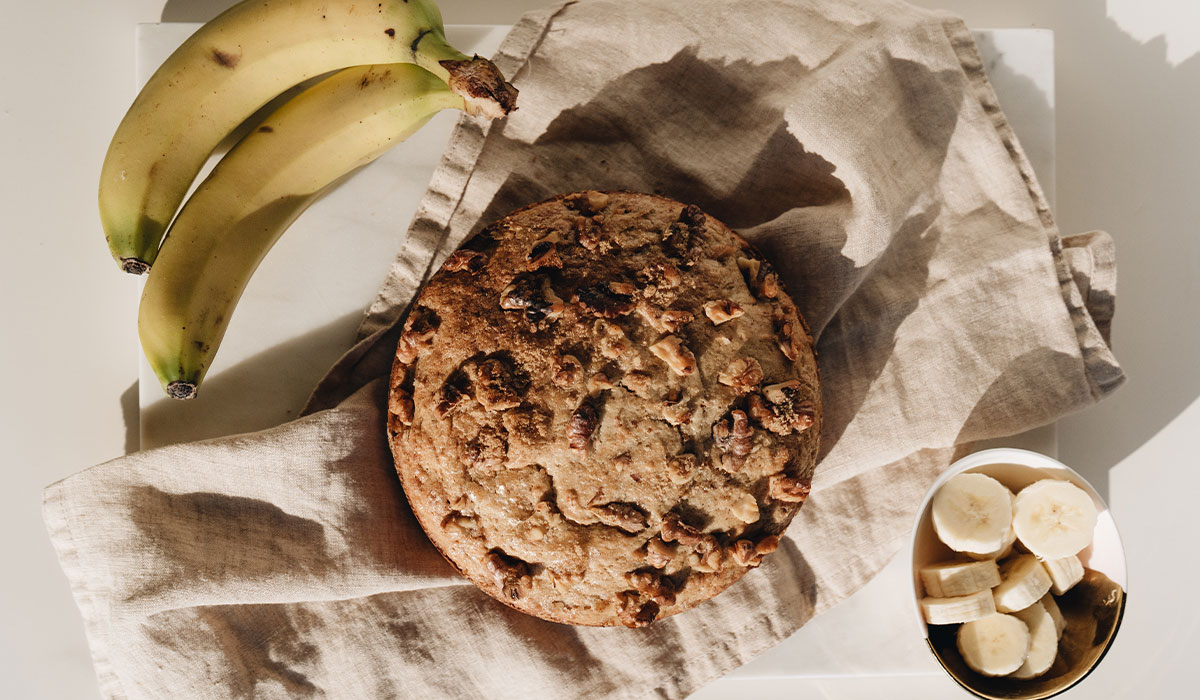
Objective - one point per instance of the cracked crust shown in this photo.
(576, 432)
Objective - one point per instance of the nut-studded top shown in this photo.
(604, 408)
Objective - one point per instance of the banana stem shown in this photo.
(476, 79)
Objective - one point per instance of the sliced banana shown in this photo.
(948, 611)
(1024, 581)
(1043, 641)
(1064, 573)
(973, 513)
(1051, 606)
(956, 578)
(1004, 550)
(995, 645)
(1054, 518)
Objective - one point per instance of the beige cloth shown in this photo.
(857, 143)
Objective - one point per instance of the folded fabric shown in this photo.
(858, 144)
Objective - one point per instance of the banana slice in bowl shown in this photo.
(1057, 566)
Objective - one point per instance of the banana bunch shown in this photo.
(1011, 623)
(391, 69)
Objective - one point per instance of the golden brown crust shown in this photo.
(577, 434)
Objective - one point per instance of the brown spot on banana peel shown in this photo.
(225, 59)
(390, 32)
(266, 129)
(481, 85)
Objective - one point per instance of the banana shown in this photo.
(1024, 581)
(237, 63)
(947, 611)
(1064, 573)
(1054, 518)
(995, 645)
(1043, 641)
(254, 194)
(1051, 606)
(973, 513)
(1005, 549)
(955, 578)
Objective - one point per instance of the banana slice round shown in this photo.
(1054, 518)
(956, 578)
(948, 611)
(995, 645)
(1043, 641)
(1051, 606)
(1024, 582)
(1064, 573)
(973, 513)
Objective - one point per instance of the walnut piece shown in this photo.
(743, 374)
(532, 294)
(786, 335)
(613, 341)
(400, 404)
(748, 553)
(584, 422)
(681, 468)
(452, 395)
(623, 516)
(746, 509)
(782, 411)
(675, 530)
(652, 585)
(604, 300)
(495, 388)
(512, 575)
(672, 351)
(708, 555)
(659, 553)
(787, 488)
(664, 320)
(488, 450)
(590, 202)
(733, 436)
(633, 610)
(460, 525)
(599, 382)
(661, 275)
(760, 278)
(470, 260)
(722, 310)
(567, 370)
(419, 329)
(676, 412)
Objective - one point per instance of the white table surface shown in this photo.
(1128, 161)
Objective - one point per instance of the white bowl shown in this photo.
(1016, 469)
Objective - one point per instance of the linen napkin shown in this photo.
(857, 143)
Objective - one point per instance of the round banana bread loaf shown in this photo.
(605, 408)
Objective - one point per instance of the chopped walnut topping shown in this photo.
(664, 320)
(587, 232)
(599, 382)
(676, 413)
(748, 553)
(746, 509)
(623, 516)
(681, 467)
(584, 422)
(672, 351)
(652, 585)
(470, 260)
(495, 386)
(634, 611)
(459, 524)
(663, 275)
(760, 278)
(787, 488)
(512, 575)
(533, 295)
(743, 374)
(488, 450)
(419, 329)
(659, 553)
(675, 530)
(788, 334)
(590, 202)
(722, 310)
(613, 341)
(535, 533)
(543, 253)
(452, 395)
(708, 555)
(400, 404)
(733, 436)
(567, 369)
(604, 301)
(639, 382)
(783, 411)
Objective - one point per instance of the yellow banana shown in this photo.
(234, 65)
(256, 191)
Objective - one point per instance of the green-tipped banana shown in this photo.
(256, 191)
(234, 65)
